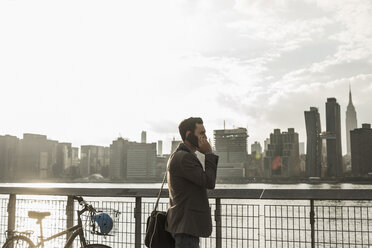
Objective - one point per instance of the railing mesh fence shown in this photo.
(3, 217)
(244, 223)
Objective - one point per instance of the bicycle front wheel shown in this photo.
(19, 242)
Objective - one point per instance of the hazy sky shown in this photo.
(88, 71)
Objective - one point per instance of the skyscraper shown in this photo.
(160, 148)
(141, 161)
(93, 160)
(175, 144)
(36, 158)
(256, 148)
(118, 159)
(334, 150)
(75, 156)
(64, 159)
(282, 157)
(351, 121)
(231, 145)
(361, 150)
(266, 145)
(314, 143)
(132, 161)
(143, 137)
(302, 148)
(8, 156)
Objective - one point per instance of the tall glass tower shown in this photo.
(334, 150)
(351, 121)
(314, 143)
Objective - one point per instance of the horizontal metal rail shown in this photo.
(274, 194)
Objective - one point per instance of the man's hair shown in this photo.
(188, 125)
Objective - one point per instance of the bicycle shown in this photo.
(22, 240)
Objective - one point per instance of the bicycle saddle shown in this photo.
(38, 215)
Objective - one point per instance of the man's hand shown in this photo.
(204, 146)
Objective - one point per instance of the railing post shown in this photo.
(11, 213)
(312, 223)
(69, 214)
(138, 229)
(217, 218)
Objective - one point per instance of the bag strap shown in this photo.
(161, 188)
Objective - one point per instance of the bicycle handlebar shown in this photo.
(82, 202)
(78, 198)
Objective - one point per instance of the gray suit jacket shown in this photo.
(189, 210)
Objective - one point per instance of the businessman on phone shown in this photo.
(189, 214)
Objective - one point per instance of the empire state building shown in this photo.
(351, 121)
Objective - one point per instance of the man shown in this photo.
(189, 214)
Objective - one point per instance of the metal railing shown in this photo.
(241, 217)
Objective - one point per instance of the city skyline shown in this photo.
(111, 70)
(37, 157)
(143, 135)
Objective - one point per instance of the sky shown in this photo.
(88, 72)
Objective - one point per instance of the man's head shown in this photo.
(192, 125)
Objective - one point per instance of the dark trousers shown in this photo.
(183, 240)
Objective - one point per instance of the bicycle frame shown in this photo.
(68, 230)
(78, 227)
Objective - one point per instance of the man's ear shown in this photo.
(187, 134)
